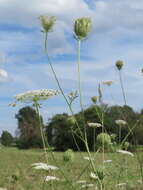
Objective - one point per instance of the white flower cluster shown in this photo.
(43, 94)
(50, 178)
(93, 175)
(43, 166)
(125, 152)
(120, 122)
(88, 158)
(94, 125)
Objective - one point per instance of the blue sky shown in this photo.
(116, 34)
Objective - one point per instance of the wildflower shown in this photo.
(94, 125)
(82, 27)
(73, 95)
(87, 185)
(119, 64)
(88, 158)
(120, 184)
(120, 122)
(50, 178)
(94, 99)
(107, 161)
(93, 175)
(47, 22)
(125, 152)
(108, 82)
(43, 166)
(3, 74)
(43, 94)
(81, 181)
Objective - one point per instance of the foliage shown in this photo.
(28, 128)
(6, 138)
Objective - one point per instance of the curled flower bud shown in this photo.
(119, 64)
(94, 99)
(82, 27)
(47, 22)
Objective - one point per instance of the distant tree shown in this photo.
(6, 138)
(28, 128)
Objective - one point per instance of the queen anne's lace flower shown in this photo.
(94, 125)
(50, 178)
(125, 152)
(87, 185)
(47, 22)
(37, 95)
(120, 122)
(43, 166)
(93, 175)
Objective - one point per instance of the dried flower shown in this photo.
(36, 95)
(94, 124)
(82, 27)
(119, 64)
(51, 178)
(94, 99)
(47, 22)
(125, 152)
(108, 82)
(120, 122)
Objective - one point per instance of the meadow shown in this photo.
(16, 172)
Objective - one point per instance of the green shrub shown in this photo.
(68, 155)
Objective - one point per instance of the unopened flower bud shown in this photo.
(119, 64)
(82, 27)
(47, 22)
(94, 99)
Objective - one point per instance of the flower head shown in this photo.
(93, 175)
(43, 166)
(120, 122)
(82, 27)
(47, 22)
(51, 178)
(107, 82)
(36, 95)
(119, 64)
(125, 152)
(94, 99)
(94, 124)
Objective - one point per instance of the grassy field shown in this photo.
(16, 172)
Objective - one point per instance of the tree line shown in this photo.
(61, 130)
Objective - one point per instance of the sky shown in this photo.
(117, 34)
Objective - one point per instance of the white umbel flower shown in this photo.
(125, 152)
(81, 181)
(88, 158)
(43, 94)
(120, 184)
(107, 161)
(120, 122)
(93, 175)
(87, 185)
(51, 178)
(43, 166)
(94, 125)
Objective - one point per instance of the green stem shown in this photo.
(122, 87)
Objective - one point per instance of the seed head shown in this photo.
(47, 22)
(82, 27)
(119, 64)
